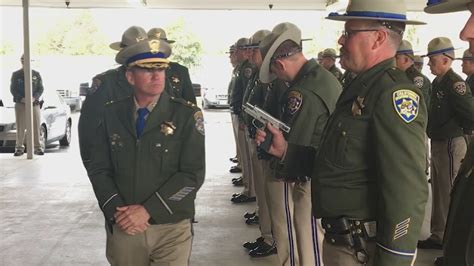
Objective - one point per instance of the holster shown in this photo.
(350, 233)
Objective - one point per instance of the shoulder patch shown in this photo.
(406, 103)
(460, 87)
(248, 72)
(199, 118)
(295, 100)
(95, 86)
(419, 82)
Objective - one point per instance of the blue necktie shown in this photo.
(142, 112)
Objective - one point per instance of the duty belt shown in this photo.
(353, 233)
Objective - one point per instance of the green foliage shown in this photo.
(6, 48)
(76, 36)
(187, 50)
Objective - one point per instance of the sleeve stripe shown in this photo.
(164, 203)
(396, 252)
(107, 201)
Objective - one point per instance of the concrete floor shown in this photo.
(49, 214)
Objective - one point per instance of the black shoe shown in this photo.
(253, 245)
(39, 152)
(429, 244)
(263, 250)
(252, 220)
(238, 183)
(18, 153)
(236, 179)
(249, 215)
(439, 261)
(234, 159)
(235, 169)
(243, 199)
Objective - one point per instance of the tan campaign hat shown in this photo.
(440, 45)
(130, 36)
(446, 6)
(467, 55)
(158, 33)
(280, 33)
(242, 43)
(418, 59)
(405, 48)
(384, 10)
(231, 49)
(257, 37)
(329, 52)
(320, 55)
(149, 53)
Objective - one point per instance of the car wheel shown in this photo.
(43, 137)
(66, 140)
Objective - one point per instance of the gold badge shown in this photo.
(175, 79)
(154, 46)
(167, 128)
(357, 106)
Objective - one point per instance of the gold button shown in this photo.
(343, 133)
(329, 226)
(158, 145)
(359, 231)
(332, 240)
(166, 150)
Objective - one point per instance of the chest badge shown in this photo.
(167, 128)
(406, 103)
(357, 106)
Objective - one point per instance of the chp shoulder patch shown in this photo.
(419, 82)
(96, 82)
(460, 87)
(295, 100)
(406, 103)
(199, 118)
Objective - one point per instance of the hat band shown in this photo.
(145, 56)
(467, 58)
(369, 14)
(440, 51)
(405, 52)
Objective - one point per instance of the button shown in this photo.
(357, 222)
(333, 240)
(359, 231)
(158, 145)
(166, 150)
(343, 133)
(329, 226)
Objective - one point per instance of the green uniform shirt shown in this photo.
(243, 75)
(306, 106)
(180, 82)
(421, 82)
(161, 171)
(336, 72)
(370, 164)
(452, 107)
(17, 85)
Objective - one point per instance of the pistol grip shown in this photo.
(265, 145)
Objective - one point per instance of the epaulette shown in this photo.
(183, 102)
(397, 75)
(116, 101)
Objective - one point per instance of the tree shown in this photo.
(6, 48)
(187, 50)
(78, 36)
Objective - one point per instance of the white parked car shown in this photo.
(55, 122)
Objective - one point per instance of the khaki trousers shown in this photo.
(343, 256)
(446, 156)
(303, 232)
(259, 182)
(159, 245)
(20, 112)
(247, 178)
(235, 127)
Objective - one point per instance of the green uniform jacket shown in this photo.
(421, 82)
(180, 82)
(254, 95)
(242, 79)
(371, 161)
(161, 171)
(17, 85)
(108, 86)
(336, 72)
(306, 107)
(452, 107)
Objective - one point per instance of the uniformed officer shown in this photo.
(243, 74)
(155, 142)
(468, 67)
(177, 74)
(17, 89)
(418, 61)
(320, 57)
(305, 107)
(458, 246)
(329, 62)
(450, 113)
(367, 183)
(107, 86)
